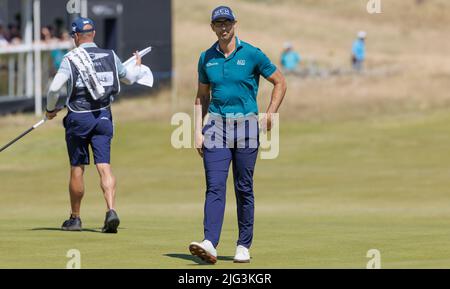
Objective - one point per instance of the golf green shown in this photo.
(336, 191)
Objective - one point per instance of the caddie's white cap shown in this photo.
(287, 45)
(362, 34)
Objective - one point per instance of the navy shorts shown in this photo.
(93, 129)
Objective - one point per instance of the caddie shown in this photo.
(93, 78)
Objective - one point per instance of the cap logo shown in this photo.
(222, 11)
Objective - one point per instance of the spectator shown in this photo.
(47, 35)
(290, 59)
(13, 35)
(65, 37)
(359, 51)
(3, 40)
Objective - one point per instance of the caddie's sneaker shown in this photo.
(242, 255)
(204, 250)
(111, 222)
(72, 224)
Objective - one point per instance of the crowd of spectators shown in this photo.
(11, 35)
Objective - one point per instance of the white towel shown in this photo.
(83, 62)
(144, 75)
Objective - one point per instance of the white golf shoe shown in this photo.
(204, 250)
(242, 255)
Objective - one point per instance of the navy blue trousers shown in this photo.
(217, 161)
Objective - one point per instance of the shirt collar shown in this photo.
(88, 45)
(238, 45)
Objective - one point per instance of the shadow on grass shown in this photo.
(196, 259)
(59, 229)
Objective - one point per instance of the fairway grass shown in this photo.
(336, 191)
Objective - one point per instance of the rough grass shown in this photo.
(407, 46)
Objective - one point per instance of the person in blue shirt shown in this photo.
(359, 51)
(229, 73)
(58, 54)
(290, 59)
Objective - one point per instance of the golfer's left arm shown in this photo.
(278, 93)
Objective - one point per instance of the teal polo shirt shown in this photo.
(234, 80)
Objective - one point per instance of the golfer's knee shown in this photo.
(217, 189)
(244, 187)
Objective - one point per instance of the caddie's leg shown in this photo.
(76, 189)
(108, 184)
(101, 147)
(78, 150)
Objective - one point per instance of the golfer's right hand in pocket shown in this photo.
(199, 140)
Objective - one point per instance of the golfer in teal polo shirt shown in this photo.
(229, 74)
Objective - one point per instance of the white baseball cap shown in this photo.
(362, 34)
(287, 45)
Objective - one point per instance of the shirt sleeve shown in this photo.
(121, 70)
(65, 68)
(62, 76)
(263, 64)
(53, 92)
(202, 76)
